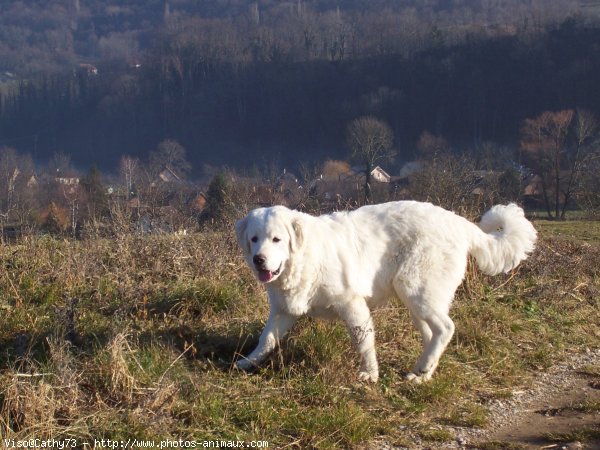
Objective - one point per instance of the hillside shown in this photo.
(240, 83)
(50, 36)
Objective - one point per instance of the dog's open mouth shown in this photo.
(266, 275)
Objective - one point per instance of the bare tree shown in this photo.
(26, 192)
(449, 181)
(9, 171)
(18, 193)
(72, 197)
(588, 196)
(585, 133)
(430, 145)
(128, 167)
(172, 154)
(557, 145)
(543, 139)
(370, 140)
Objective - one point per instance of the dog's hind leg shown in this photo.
(429, 306)
(357, 317)
(423, 328)
(442, 329)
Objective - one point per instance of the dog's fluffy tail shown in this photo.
(507, 239)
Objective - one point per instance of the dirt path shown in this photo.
(562, 402)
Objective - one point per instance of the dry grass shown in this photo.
(135, 337)
(42, 400)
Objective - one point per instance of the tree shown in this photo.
(171, 154)
(128, 167)
(589, 194)
(370, 140)
(449, 181)
(16, 188)
(430, 146)
(9, 172)
(509, 185)
(334, 169)
(54, 219)
(95, 193)
(585, 151)
(557, 145)
(544, 140)
(220, 209)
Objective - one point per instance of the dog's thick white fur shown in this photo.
(341, 266)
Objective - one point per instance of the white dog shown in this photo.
(345, 264)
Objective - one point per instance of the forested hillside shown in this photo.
(50, 35)
(242, 82)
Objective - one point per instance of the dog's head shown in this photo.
(269, 237)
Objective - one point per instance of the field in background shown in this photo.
(135, 337)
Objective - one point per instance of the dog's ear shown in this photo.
(240, 232)
(296, 234)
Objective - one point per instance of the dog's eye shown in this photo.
(276, 239)
(254, 239)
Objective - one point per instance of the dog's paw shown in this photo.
(418, 378)
(368, 377)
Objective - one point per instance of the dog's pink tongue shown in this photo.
(265, 275)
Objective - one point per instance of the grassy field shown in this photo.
(135, 337)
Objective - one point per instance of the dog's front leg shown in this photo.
(276, 327)
(357, 317)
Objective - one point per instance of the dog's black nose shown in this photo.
(259, 260)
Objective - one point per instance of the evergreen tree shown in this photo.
(95, 193)
(220, 209)
(55, 220)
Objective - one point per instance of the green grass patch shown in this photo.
(584, 434)
(574, 230)
(587, 406)
(436, 435)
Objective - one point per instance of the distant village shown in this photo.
(68, 203)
